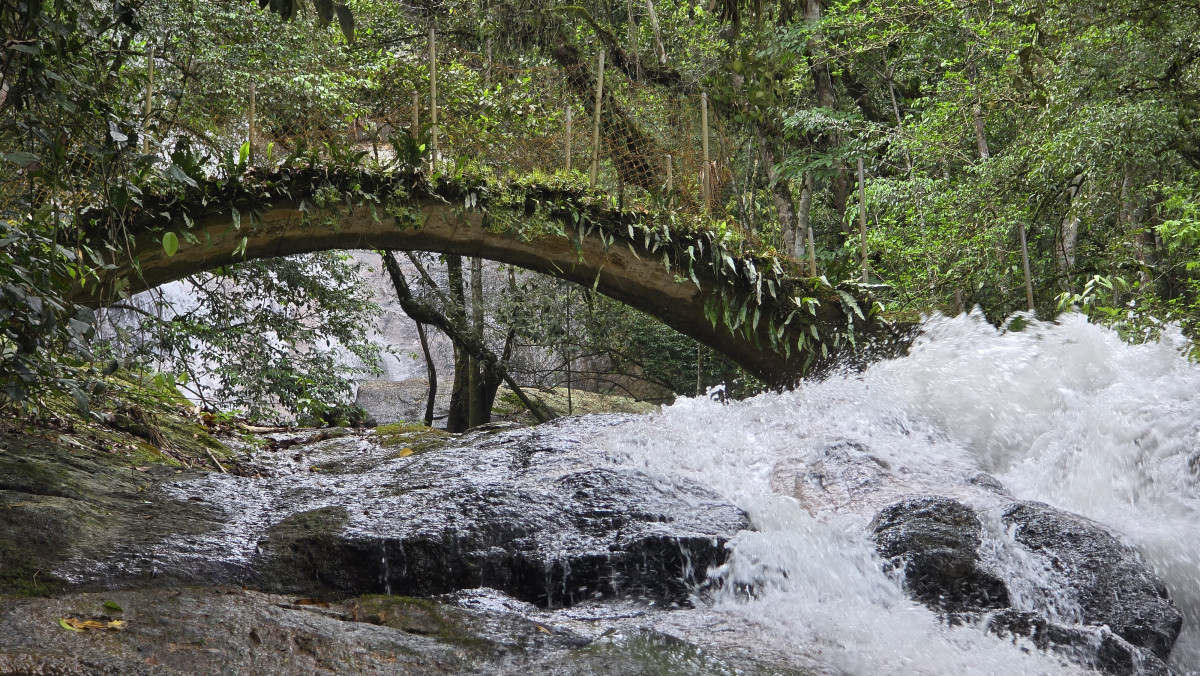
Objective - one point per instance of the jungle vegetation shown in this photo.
(1011, 155)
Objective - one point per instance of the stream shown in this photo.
(759, 516)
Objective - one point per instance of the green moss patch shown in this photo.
(409, 439)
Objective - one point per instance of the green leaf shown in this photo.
(113, 605)
(21, 159)
(170, 243)
(178, 175)
(62, 622)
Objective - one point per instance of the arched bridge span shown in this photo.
(758, 310)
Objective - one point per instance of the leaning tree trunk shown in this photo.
(459, 417)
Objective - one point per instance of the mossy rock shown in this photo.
(305, 551)
(411, 439)
(426, 618)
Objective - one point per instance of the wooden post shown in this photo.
(253, 140)
(670, 179)
(415, 129)
(595, 169)
(1025, 263)
(862, 217)
(149, 107)
(705, 174)
(433, 123)
(633, 41)
(567, 152)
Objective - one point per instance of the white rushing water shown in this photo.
(1064, 413)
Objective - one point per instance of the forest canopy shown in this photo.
(956, 154)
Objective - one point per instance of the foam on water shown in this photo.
(1064, 413)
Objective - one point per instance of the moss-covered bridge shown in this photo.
(754, 306)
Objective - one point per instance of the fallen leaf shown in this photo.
(75, 624)
(541, 628)
(113, 605)
(142, 469)
(404, 452)
(151, 660)
(311, 602)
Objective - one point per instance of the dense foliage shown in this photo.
(1016, 155)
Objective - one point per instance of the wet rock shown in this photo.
(1093, 647)
(937, 541)
(531, 512)
(213, 630)
(1108, 579)
(1125, 623)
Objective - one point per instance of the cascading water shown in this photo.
(1062, 413)
(621, 515)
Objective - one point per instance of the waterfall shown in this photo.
(1065, 413)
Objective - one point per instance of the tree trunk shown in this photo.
(459, 418)
(781, 194)
(1132, 218)
(478, 414)
(662, 51)
(464, 340)
(1069, 233)
(804, 221)
(430, 370)
(827, 98)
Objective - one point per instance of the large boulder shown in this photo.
(393, 401)
(1109, 581)
(1110, 612)
(936, 540)
(530, 512)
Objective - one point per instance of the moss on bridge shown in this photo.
(749, 290)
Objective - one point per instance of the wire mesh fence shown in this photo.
(510, 119)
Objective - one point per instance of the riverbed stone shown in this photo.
(1127, 623)
(936, 540)
(392, 401)
(1110, 582)
(532, 512)
(521, 510)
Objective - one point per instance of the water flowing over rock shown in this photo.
(524, 511)
(936, 541)
(1111, 584)
(1118, 617)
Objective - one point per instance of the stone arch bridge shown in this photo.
(753, 306)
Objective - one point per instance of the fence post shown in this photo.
(433, 122)
(1025, 265)
(568, 150)
(633, 41)
(670, 179)
(862, 217)
(595, 169)
(149, 102)
(253, 120)
(706, 173)
(415, 129)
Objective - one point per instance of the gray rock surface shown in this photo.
(1110, 582)
(527, 511)
(936, 540)
(229, 630)
(1126, 624)
(390, 401)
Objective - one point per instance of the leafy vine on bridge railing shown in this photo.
(751, 290)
